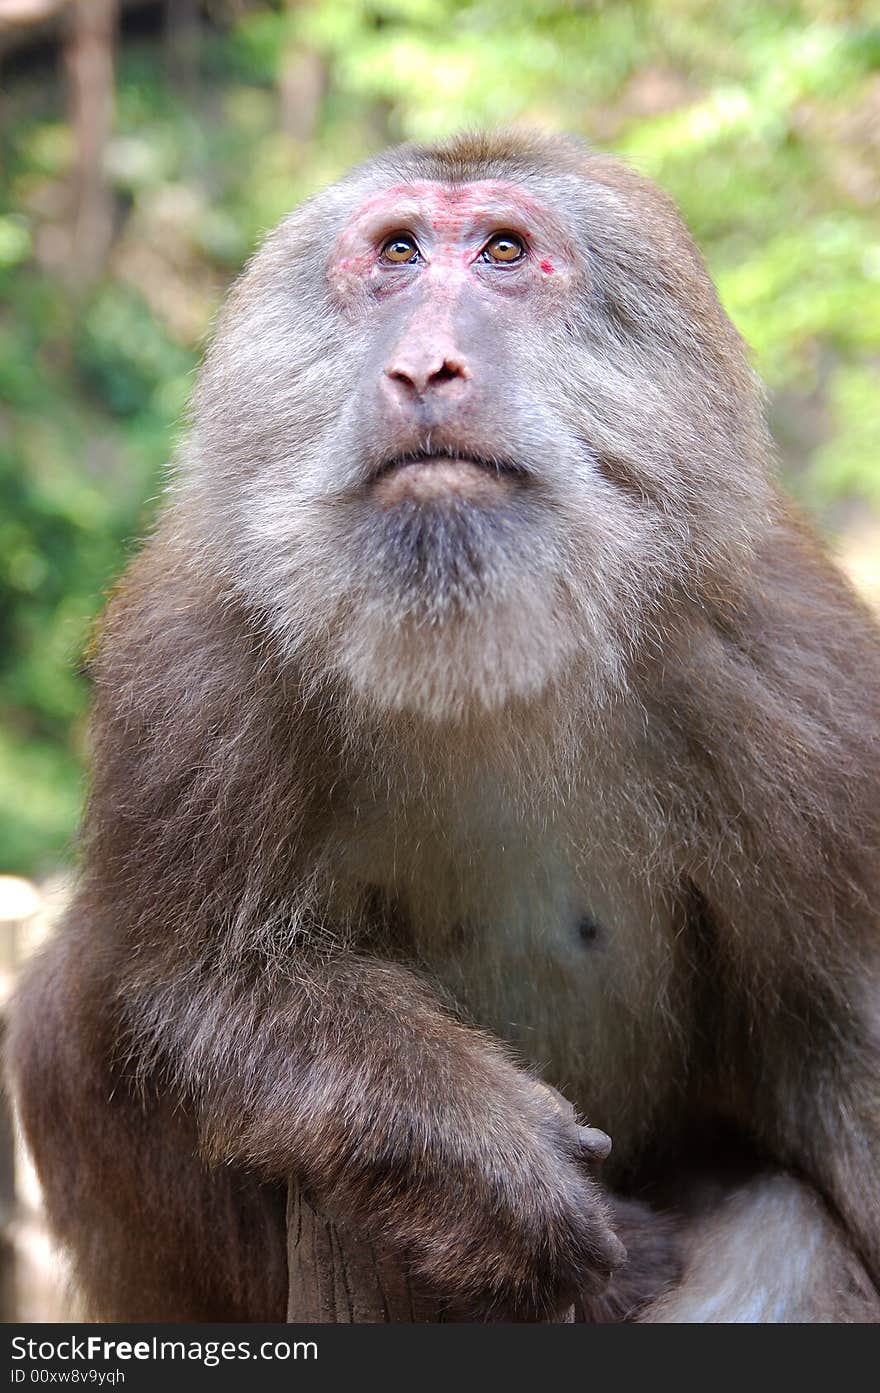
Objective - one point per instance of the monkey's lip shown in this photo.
(422, 477)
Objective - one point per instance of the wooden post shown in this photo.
(338, 1279)
(335, 1278)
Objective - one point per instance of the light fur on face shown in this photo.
(645, 466)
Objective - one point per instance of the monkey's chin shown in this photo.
(464, 665)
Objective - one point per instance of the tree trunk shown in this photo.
(301, 82)
(183, 31)
(89, 62)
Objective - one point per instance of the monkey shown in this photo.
(484, 764)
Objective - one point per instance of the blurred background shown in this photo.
(145, 145)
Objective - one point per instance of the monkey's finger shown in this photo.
(594, 1144)
(616, 1251)
(608, 1254)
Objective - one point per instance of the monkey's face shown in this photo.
(466, 427)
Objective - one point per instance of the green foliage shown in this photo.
(122, 354)
(760, 119)
(72, 491)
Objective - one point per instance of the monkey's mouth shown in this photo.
(425, 459)
(424, 477)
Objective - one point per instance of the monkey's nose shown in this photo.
(411, 377)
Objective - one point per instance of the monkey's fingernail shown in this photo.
(596, 1144)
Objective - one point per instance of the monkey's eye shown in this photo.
(400, 247)
(503, 247)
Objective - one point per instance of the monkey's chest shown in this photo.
(561, 955)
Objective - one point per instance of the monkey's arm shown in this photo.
(414, 1130)
(784, 736)
(827, 1122)
(151, 1232)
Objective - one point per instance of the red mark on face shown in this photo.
(547, 268)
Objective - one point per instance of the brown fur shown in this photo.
(346, 816)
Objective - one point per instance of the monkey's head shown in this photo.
(473, 421)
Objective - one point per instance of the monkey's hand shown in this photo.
(493, 1206)
(414, 1132)
(535, 1230)
(425, 1138)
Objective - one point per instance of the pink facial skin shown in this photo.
(451, 225)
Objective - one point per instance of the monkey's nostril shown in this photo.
(423, 379)
(447, 373)
(398, 375)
